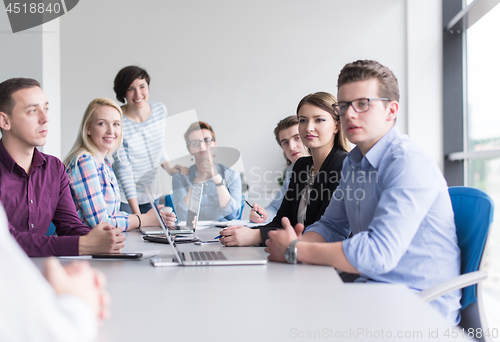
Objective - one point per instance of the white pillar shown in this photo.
(425, 76)
(35, 53)
(51, 68)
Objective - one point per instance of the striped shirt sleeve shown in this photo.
(96, 199)
(123, 171)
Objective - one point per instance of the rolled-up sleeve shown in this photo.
(404, 202)
(232, 210)
(87, 191)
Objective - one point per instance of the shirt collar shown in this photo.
(38, 159)
(5, 158)
(9, 162)
(106, 160)
(375, 154)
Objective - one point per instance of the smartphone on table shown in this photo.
(117, 256)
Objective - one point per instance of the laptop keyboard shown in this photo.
(208, 255)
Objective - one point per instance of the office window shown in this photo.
(471, 46)
(483, 71)
(483, 133)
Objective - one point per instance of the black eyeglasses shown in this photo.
(359, 105)
(196, 143)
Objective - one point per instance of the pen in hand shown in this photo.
(251, 206)
(220, 236)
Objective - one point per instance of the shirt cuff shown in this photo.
(67, 245)
(350, 254)
(129, 195)
(326, 233)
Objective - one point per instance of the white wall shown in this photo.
(34, 53)
(242, 65)
(21, 53)
(51, 84)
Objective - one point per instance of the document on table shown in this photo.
(234, 223)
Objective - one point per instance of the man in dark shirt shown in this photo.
(34, 187)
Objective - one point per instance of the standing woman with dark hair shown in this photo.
(314, 178)
(143, 136)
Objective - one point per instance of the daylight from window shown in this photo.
(483, 133)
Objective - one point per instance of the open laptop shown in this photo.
(192, 214)
(244, 256)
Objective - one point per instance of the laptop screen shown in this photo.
(164, 227)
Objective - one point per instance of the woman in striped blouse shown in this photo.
(143, 134)
(92, 181)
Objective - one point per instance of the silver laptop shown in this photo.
(192, 215)
(243, 256)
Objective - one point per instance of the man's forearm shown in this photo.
(35, 245)
(320, 253)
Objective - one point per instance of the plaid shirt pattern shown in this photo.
(95, 191)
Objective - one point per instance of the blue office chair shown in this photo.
(52, 230)
(169, 202)
(473, 210)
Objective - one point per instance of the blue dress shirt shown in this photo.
(273, 207)
(396, 203)
(210, 209)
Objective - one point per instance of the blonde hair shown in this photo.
(85, 144)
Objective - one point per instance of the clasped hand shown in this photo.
(206, 168)
(80, 280)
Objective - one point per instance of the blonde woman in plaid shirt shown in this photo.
(93, 184)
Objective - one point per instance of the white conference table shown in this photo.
(273, 302)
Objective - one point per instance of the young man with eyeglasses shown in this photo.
(222, 196)
(392, 197)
